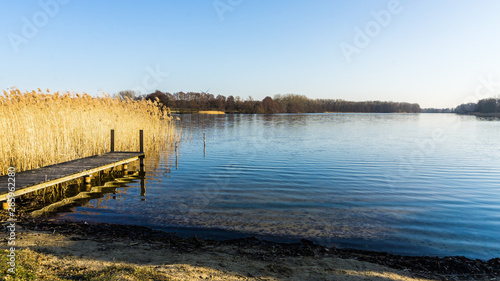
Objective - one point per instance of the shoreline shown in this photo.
(284, 261)
(484, 115)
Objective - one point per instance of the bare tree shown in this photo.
(127, 94)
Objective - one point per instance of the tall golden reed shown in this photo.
(42, 128)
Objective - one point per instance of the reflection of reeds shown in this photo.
(42, 128)
(211, 112)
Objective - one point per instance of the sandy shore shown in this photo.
(81, 251)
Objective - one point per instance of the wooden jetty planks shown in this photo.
(32, 180)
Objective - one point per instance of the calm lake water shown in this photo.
(417, 184)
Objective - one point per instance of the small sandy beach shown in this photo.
(91, 251)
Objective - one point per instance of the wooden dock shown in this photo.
(32, 180)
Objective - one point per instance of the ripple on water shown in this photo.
(357, 180)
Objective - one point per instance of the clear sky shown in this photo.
(436, 53)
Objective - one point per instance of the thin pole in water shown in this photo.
(176, 155)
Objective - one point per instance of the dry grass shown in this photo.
(42, 128)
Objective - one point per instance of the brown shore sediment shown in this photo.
(89, 248)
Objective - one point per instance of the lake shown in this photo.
(414, 184)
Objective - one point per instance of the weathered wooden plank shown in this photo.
(32, 180)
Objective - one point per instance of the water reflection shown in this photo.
(65, 197)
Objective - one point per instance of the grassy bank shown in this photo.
(32, 265)
(40, 128)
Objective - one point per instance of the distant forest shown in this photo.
(193, 102)
(438, 110)
(484, 106)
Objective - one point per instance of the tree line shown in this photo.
(192, 102)
(485, 106)
(438, 110)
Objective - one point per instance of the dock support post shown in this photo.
(141, 140)
(141, 148)
(125, 169)
(143, 188)
(142, 175)
(112, 145)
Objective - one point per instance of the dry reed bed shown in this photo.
(42, 128)
(211, 112)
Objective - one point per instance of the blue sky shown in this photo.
(436, 53)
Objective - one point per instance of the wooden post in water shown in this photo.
(141, 149)
(142, 173)
(143, 188)
(141, 140)
(176, 155)
(112, 145)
